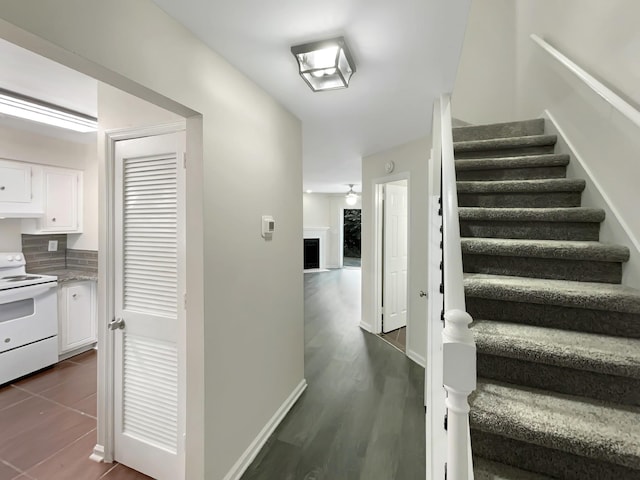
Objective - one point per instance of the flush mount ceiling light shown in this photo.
(351, 197)
(21, 106)
(325, 65)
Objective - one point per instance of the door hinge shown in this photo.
(184, 160)
(446, 421)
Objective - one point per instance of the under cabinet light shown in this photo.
(325, 65)
(21, 106)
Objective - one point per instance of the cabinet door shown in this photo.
(15, 182)
(77, 315)
(61, 201)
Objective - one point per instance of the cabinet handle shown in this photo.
(2, 187)
(53, 219)
(74, 295)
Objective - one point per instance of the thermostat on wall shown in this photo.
(268, 226)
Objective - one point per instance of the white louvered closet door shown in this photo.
(149, 285)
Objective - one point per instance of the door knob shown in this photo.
(116, 324)
(423, 293)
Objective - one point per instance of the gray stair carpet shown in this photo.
(557, 333)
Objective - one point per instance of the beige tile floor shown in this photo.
(48, 426)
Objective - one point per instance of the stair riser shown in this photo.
(551, 268)
(588, 231)
(505, 152)
(502, 130)
(546, 461)
(536, 173)
(552, 316)
(520, 200)
(570, 381)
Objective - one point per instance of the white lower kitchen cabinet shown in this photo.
(77, 316)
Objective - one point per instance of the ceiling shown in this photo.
(406, 53)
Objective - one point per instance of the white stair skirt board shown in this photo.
(252, 451)
(614, 229)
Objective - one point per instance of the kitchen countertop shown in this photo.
(70, 275)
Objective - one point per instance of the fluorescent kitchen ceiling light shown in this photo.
(325, 65)
(21, 106)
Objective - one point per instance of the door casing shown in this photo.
(104, 449)
(378, 228)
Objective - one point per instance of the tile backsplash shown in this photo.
(34, 248)
(86, 260)
(40, 260)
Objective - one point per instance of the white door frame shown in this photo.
(377, 186)
(104, 449)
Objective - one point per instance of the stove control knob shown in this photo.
(10, 258)
(17, 258)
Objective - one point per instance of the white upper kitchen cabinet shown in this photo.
(20, 184)
(62, 202)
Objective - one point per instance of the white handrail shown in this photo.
(458, 353)
(596, 85)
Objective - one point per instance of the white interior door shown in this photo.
(149, 288)
(395, 257)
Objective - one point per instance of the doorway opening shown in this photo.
(392, 261)
(70, 385)
(351, 237)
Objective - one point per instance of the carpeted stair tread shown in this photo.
(597, 296)
(571, 214)
(498, 130)
(582, 427)
(523, 161)
(487, 470)
(559, 249)
(507, 143)
(563, 348)
(522, 186)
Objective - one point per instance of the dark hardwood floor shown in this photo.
(362, 415)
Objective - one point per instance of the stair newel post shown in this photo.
(459, 378)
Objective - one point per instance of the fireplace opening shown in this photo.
(311, 253)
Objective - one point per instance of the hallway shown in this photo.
(362, 416)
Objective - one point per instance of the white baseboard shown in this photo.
(98, 454)
(419, 359)
(366, 327)
(252, 451)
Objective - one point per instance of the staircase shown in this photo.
(558, 336)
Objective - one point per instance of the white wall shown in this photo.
(603, 39)
(10, 236)
(485, 87)
(32, 147)
(316, 210)
(251, 152)
(411, 158)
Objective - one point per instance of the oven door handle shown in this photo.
(23, 293)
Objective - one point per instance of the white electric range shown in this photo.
(28, 319)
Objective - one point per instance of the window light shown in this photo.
(325, 65)
(21, 106)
